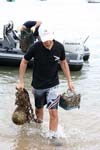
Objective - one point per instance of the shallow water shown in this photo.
(79, 129)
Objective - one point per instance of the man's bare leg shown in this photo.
(53, 124)
(39, 115)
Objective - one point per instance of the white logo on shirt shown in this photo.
(56, 58)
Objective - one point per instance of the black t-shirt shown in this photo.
(29, 24)
(45, 68)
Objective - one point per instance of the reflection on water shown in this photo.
(79, 129)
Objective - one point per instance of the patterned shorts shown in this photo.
(50, 96)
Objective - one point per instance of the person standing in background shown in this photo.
(29, 34)
(33, 26)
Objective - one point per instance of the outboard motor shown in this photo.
(8, 28)
(10, 38)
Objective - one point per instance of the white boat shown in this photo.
(76, 52)
(93, 1)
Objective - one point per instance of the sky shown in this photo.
(69, 18)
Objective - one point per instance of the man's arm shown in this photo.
(22, 28)
(66, 71)
(38, 23)
(22, 70)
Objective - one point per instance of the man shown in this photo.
(29, 34)
(33, 26)
(45, 81)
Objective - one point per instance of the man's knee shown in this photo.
(53, 113)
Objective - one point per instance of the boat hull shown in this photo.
(14, 59)
(10, 59)
(75, 67)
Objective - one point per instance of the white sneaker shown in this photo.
(56, 141)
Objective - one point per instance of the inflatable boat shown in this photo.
(11, 50)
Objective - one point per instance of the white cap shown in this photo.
(46, 33)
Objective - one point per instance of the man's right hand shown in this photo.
(20, 85)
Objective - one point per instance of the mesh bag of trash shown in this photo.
(70, 100)
(26, 39)
(23, 113)
(19, 117)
